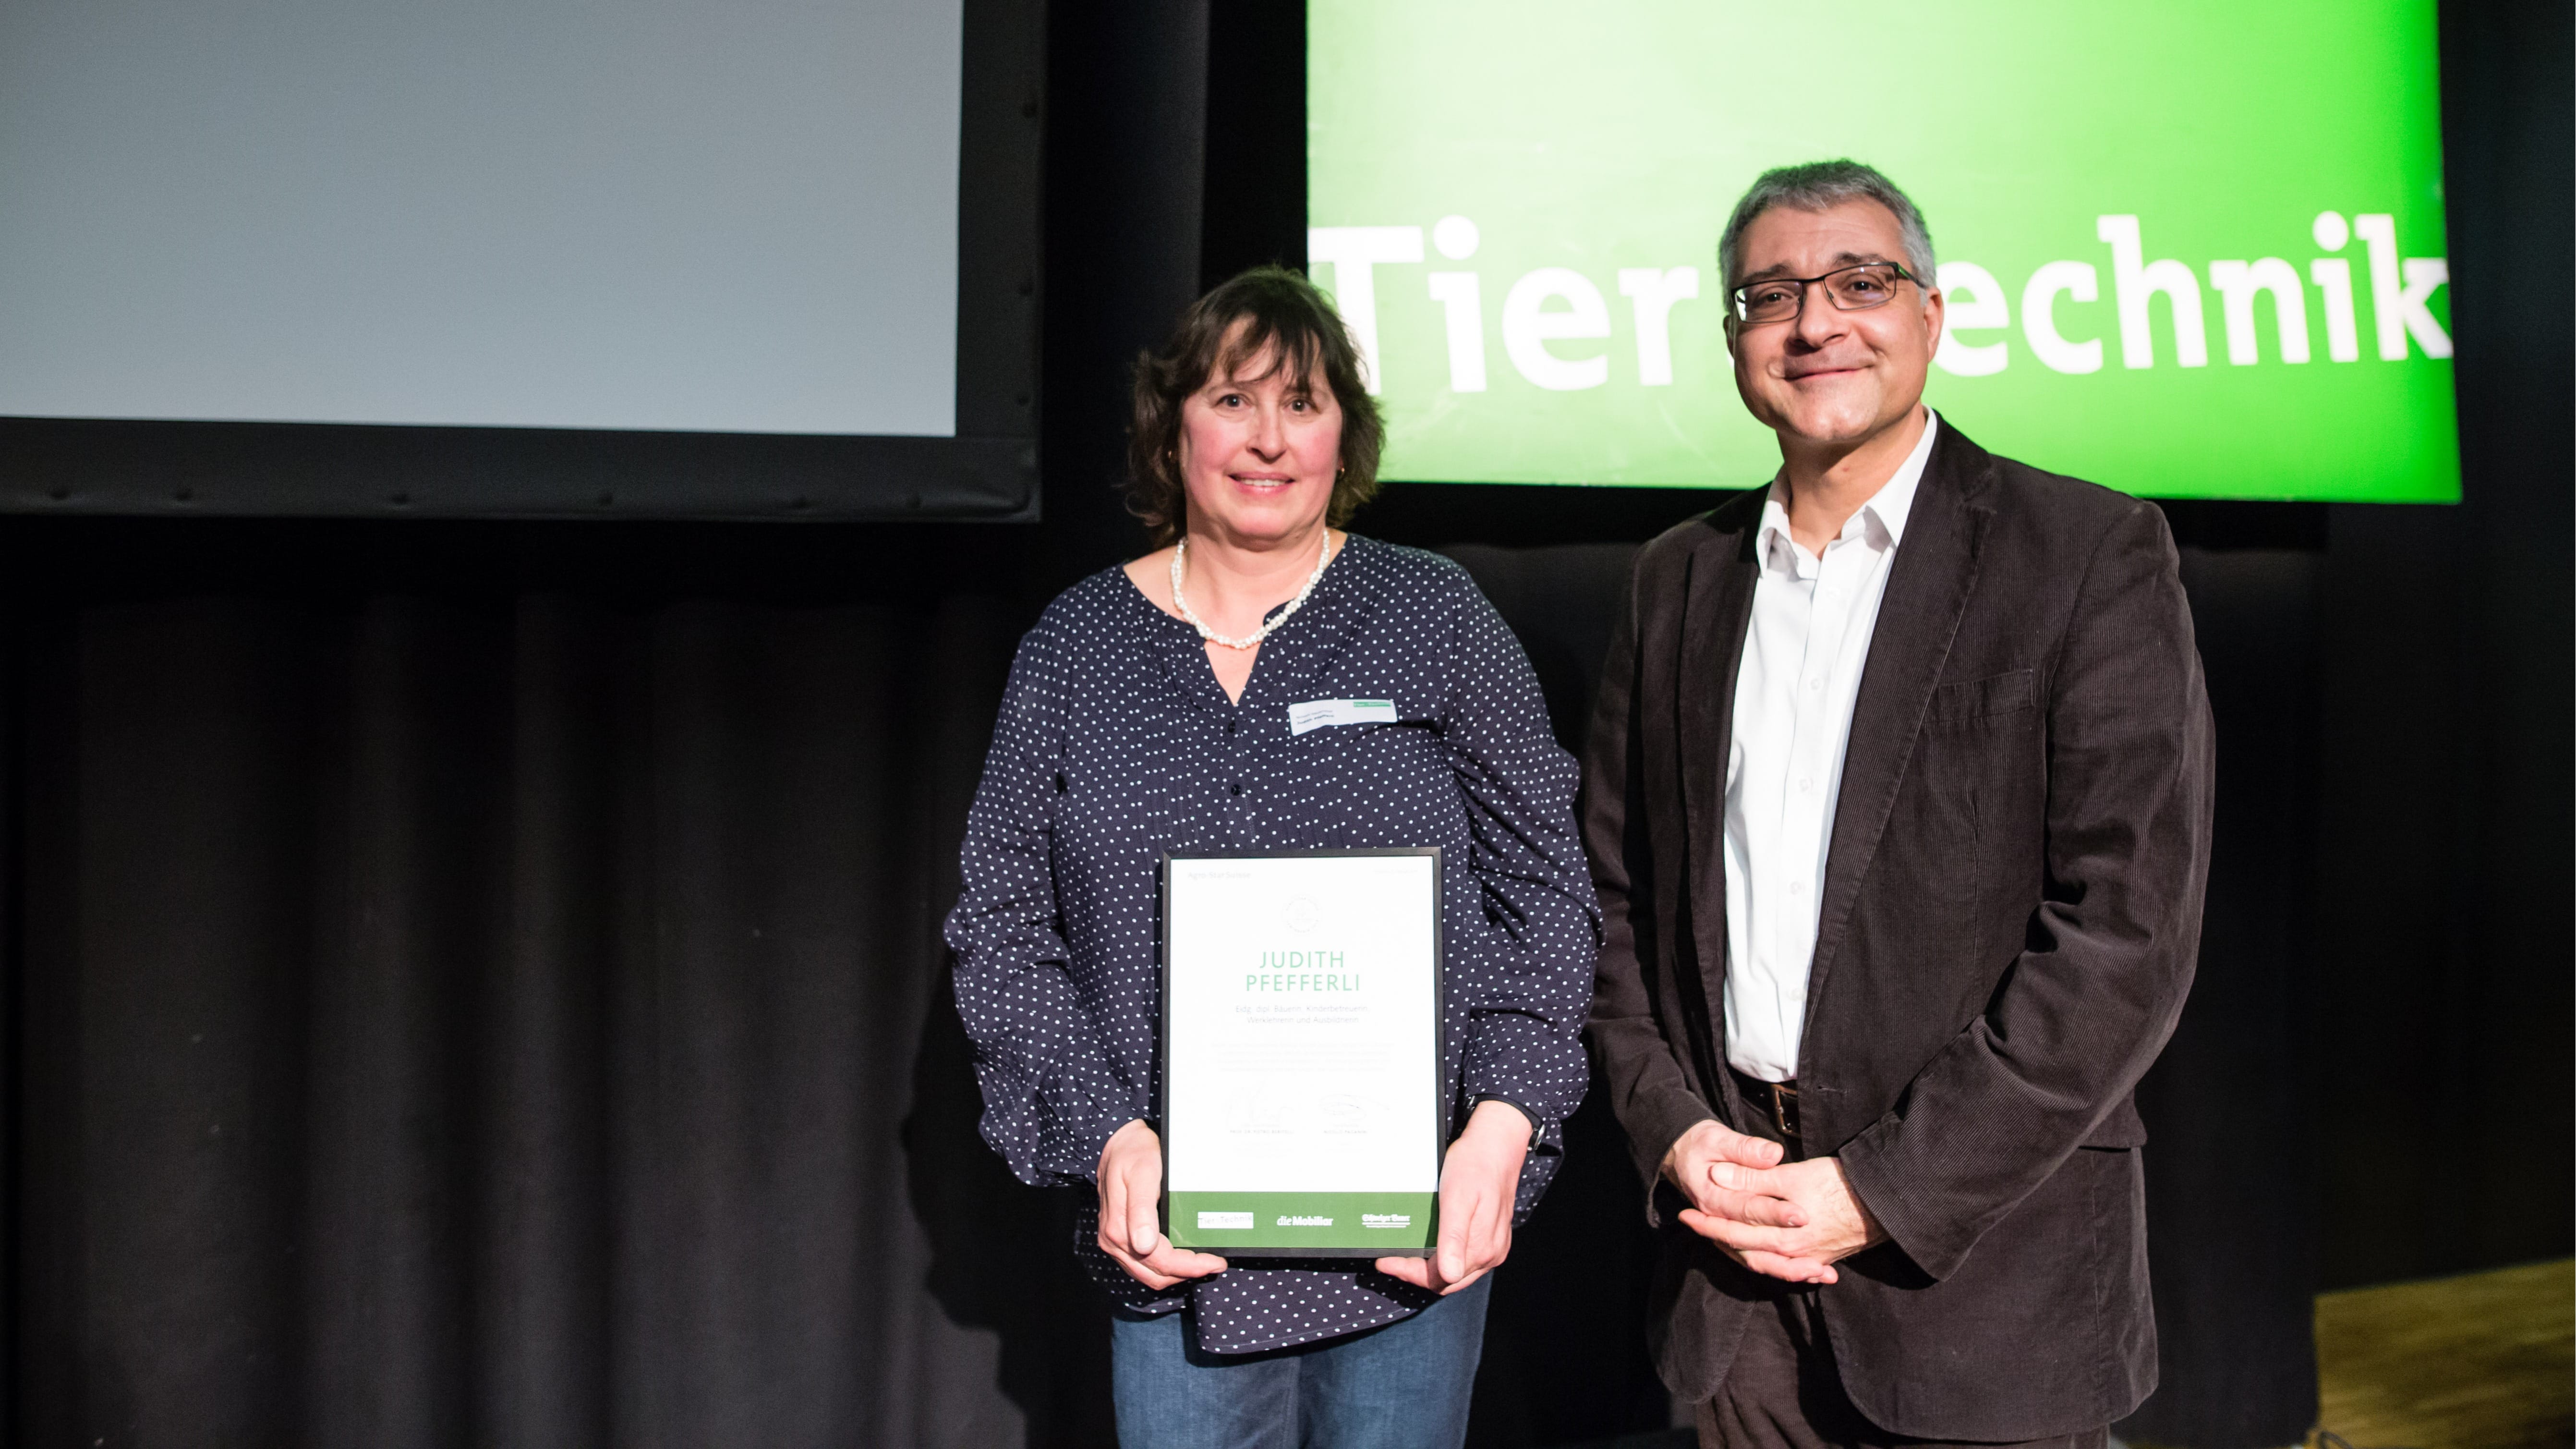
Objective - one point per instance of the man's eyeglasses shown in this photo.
(1852, 289)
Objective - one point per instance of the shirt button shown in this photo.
(1797, 888)
(1806, 784)
(1229, 727)
(1816, 683)
(1234, 789)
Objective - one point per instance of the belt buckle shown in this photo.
(1784, 1109)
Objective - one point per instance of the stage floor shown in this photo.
(2483, 1361)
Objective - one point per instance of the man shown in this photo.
(1898, 802)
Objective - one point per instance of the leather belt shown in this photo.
(1778, 1099)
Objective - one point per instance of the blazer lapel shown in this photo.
(1928, 586)
(1718, 606)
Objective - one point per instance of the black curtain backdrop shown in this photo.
(479, 983)
(2445, 748)
(467, 1020)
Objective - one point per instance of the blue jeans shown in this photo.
(1403, 1386)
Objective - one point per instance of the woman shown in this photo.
(1147, 711)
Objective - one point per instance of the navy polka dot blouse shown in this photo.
(1115, 743)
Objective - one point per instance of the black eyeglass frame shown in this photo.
(1736, 302)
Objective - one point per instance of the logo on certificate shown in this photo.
(1211, 1222)
(1301, 914)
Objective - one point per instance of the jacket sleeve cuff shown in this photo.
(1872, 1168)
(1653, 1126)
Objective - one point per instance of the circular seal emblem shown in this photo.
(1302, 914)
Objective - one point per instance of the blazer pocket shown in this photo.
(1971, 700)
(2120, 1130)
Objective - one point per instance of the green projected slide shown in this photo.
(2191, 249)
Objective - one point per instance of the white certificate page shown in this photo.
(1302, 1057)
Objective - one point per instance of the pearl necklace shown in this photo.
(1180, 556)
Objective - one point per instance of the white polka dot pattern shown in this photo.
(1115, 743)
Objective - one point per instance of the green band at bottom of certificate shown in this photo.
(1356, 1222)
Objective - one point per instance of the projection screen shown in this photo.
(757, 258)
(2192, 248)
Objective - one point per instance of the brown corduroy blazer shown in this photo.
(2010, 917)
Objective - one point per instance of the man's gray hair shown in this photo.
(1820, 186)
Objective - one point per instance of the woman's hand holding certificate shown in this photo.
(1478, 1182)
(1131, 1184)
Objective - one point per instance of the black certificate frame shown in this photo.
(1441, 1109)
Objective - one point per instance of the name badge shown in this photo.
(1314, 714)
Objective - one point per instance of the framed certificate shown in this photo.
(1304, 1106)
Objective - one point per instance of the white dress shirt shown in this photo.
(1803, 655)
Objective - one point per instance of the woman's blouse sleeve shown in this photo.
(1542, 926)
(1051, 1097)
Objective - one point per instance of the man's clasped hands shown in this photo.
(1787, 1220)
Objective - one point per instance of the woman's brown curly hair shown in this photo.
(1273, 307)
